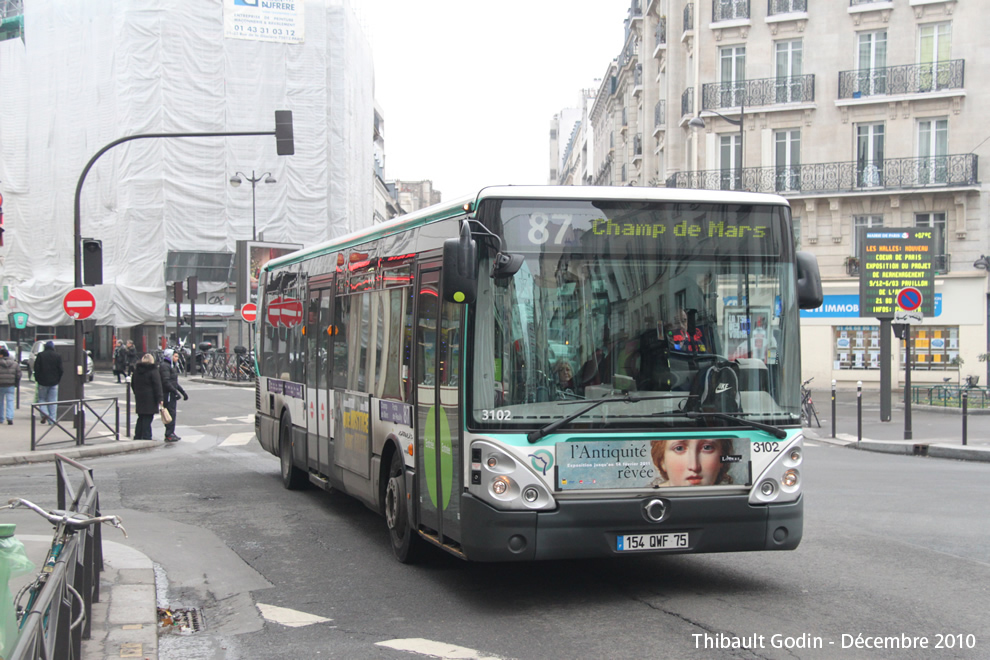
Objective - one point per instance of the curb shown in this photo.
(75, 452)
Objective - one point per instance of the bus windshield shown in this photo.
(664, 307)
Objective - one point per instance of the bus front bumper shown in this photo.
(590, 527)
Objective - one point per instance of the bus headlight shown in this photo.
(767, 488)
(790, 479)
(780, 481)
(507, 481)
(501, 485)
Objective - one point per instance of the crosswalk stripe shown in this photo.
(287, 617)
(433, 649)
(235, 439)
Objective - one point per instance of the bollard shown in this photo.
(127, 426)
(859, 410)
(965, 413)
(833, 407)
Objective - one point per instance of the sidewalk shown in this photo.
(125, 621)
(935, 431)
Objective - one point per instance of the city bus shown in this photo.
(548, 372)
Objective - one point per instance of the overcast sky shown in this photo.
(468, 89)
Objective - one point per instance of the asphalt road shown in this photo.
(895, 547)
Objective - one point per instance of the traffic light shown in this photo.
(92, 253)
(284, 144)
(192, 284)
(177, 288)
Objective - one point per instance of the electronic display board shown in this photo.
(892, 260)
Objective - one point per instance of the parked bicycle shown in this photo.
(808, 409)
(67, 524)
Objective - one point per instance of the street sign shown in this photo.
(903, 316)
(18, 320)
(249, 312)
(79, 304)
(909, 299)
(894, 261)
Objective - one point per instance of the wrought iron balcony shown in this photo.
(729, 10)
(853, 176)
(687, 101)
(775, 7)
(661, 32)
(906, 79)
(758, 92)
(660, 113)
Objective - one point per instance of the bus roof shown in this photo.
(456, 207)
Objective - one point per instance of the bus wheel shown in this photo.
(292, 477)
(406, 543)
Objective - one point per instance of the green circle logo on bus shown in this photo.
(438, 428)
(542, 461)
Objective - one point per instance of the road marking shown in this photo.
(246, 419)
(235, 439)
(433, 649)
(287, 617)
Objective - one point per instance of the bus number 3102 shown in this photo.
(496, 415)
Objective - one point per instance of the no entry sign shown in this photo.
(249, 312)
(79, 304)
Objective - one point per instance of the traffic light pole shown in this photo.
(285, 146)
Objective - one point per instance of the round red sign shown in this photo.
(249, 312)
(79, 304)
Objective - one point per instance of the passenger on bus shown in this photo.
(564, 376)
(696, 462)
(682, 337)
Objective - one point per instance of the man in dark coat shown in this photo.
(48, 374)
(119, 360)
(172, 390)
(132, 356)
(146, 384)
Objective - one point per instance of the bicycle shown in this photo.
(808, 409)
(67, 524)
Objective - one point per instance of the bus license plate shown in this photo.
(670, 541)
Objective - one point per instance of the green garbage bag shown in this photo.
(14, 562)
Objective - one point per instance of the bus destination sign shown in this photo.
(894, 260)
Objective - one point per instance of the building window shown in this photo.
(856, 347)
(787, 159)
(866, 222)
(933, 150)
(872, 63)
(934, 52)
(730, 161)
(937, 222)
(732, 75)
(869, 155)
(935, 348)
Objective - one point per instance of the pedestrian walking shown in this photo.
(146, 383)
(119, 360)
(10, 379)
(48, 374)
(172, 390)
(132, 357)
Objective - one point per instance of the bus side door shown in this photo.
(437, 377)
(319, 408)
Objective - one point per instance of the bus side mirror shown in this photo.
(809, 282)
(460, 268)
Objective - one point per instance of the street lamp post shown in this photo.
(699, 122)
(983, 263)
(236, 181)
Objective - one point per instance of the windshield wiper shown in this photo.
(777, 432)
(533, 436)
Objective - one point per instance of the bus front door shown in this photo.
(437, 364)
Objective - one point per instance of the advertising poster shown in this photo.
(670, 462)
(251, 258)
(264, 20)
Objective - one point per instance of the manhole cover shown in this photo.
(185, 621)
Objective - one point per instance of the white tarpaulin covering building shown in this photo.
(88, 73)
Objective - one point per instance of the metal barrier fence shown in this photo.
(61, 616)
(70, 419)
(950, 396)
(234, 366)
